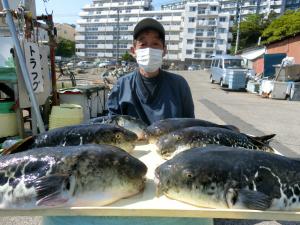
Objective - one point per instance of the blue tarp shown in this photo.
(269, 61)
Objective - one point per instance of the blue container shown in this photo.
(236, 81)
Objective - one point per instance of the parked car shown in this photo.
(70, 64)
(106, 64)
(224, 67)
(85, 64)
(103, 64)
(194, 67)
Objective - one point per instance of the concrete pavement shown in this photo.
(251, 113)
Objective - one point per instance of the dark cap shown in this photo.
(149, 24)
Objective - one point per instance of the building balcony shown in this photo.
(172, 47)
(172, 37)
(80, 29)
(205, 46)
(105, 46)
(105, 54)
(222, 36)
(208, 12)
(207, 23)
(206, 34)
(82, 21)
(211, 34)
(80, 54)
(172, 28)
(171, 57)
(106, 28)
(276, 3)
(106, 37)
(80, 46)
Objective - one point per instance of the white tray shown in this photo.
(147, 204)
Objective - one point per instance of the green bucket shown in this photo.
(8, 74)
(5, 107)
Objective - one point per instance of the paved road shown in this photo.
(251, 113)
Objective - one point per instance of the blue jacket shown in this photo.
(171, 99)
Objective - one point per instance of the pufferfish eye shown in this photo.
(177, 137)
(118, 135)
(188, 174)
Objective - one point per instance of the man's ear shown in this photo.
(164, 51)
(132, 51)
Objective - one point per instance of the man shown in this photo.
(150, 93)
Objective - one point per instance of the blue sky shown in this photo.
(66, 11)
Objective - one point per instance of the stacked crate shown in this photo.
(237, 81)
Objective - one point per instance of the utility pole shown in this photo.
(239, 8)
(118, 35)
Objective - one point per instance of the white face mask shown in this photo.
(149, 59)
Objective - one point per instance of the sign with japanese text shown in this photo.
(33, 62)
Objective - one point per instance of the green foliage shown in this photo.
(251, 28)
(284, 26)
(65, 48)
(128, 57)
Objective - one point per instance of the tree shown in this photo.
(284, 26)
(128, 57)
(65, 48)
(251, 28)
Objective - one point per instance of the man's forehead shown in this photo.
(146, 33)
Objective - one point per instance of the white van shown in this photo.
(224, 66)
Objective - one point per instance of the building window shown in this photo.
(91, 37)
(213, 8)
(191, 30)
(208, 54)
(193, 8)
(191, 19)
(189, 52)
(221, 30)
(201, 10)
(222, 19)
(199, 43)
(219, 52)
(220, 41)
(190, 41)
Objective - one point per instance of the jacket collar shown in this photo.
(144, 95)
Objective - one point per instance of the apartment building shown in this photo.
(291, 4)
(105, 29)
(245, 7)
(205, 32)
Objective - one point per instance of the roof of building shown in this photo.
(253, 53)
